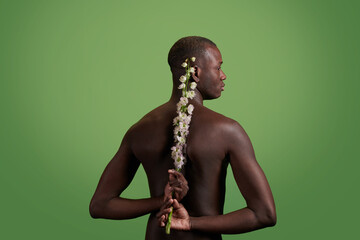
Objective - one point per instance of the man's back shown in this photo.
(213, 143)
(205, 170)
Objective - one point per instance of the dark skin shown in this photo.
(214, 142)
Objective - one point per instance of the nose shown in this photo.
(222, 75)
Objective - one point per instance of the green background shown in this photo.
(75, 75)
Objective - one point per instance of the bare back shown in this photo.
(214, 142)
(151, 139)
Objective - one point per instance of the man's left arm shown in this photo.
(260, 210)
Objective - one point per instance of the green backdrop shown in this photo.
(75, 75)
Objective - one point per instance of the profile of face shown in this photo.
(208, 74)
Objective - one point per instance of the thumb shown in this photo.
(171, 177)
(176, 204)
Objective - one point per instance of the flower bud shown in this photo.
(183, 78)
(181, 86)
(193, 59)
(190, 109)
(193, 85)
(184, 64)
(191, 94)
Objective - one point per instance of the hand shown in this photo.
(177, 184)
(180, 218)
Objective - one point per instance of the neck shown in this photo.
(177, 93)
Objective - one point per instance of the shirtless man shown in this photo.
(214, 142)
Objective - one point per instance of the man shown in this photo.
(213, 143)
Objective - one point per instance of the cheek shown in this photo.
(210, 83)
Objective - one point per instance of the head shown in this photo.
(208, 73)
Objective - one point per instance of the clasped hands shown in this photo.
(180, 217)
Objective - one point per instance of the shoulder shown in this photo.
(221, 122)
(229, 130)
(149, 121)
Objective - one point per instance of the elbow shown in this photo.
(94, 209)
(268, 218)
(271, 220)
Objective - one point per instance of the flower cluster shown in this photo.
(184, 112)
(181, 123)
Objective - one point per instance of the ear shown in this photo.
(195, 75)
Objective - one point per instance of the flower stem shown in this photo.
(168, 224)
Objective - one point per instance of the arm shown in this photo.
(106, 202)
(260, 210)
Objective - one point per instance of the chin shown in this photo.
(213, 97)
(218, 95)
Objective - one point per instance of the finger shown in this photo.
(176, 183)
(178, 189)
(178, 196)
(164, 218)
(167, 204)
(178, 175)
(176, 204)
(164, 212)
(163, 221)
(167, 187)
(168, 197)
(172, 178)
(160, 219)
(175, 178)
(171, 170)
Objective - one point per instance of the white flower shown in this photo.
(179, 147)
(187, 120)
(181, 140)
(190, 108)
(193, 85)
(178, 164)
(183, 78)
(181, 86)
(177, 152)
(191, 94)
(176, 130)
(186, 132)
(176, 121)
(182, 116)
(178, 107)
(182, 120)
(183, 127)
(183, 101)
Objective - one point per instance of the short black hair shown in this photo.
(187, 47)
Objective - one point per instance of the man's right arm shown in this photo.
(116, 177)
(118, 174)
